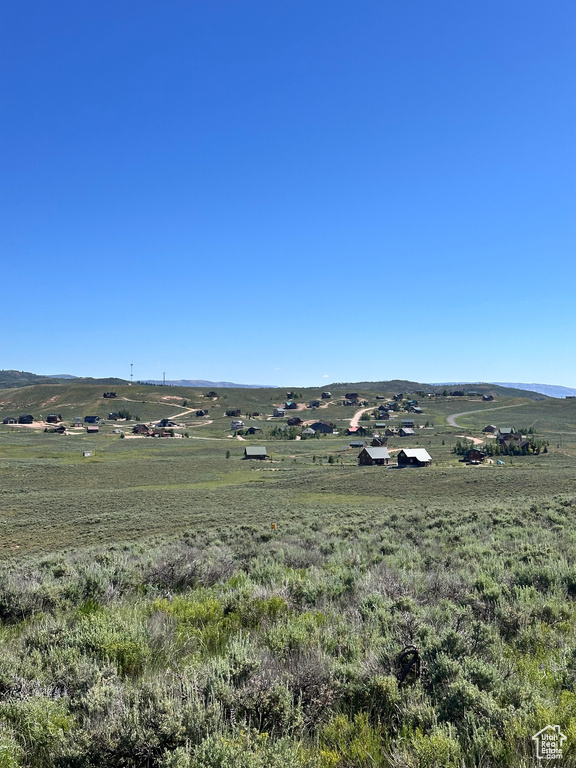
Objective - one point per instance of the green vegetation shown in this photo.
(165, 603)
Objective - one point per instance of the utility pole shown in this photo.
(131, 373)
(164, 379)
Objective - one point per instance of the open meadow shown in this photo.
(166, 602)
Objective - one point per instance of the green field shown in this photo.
(151, 616)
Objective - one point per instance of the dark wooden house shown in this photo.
(233, 412)
(27, 419)
(294, 421)
(53, 418)
(414, 457)
(255, 452)
(323, 427)
(109, 395)
(326, 395)
(374, 456)
(474, 456)
(91, 419)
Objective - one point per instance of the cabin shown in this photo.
(254, 414)
(253, 430)
(211, 394)
(291, 405)
(308, 432)
(160, 433)
(474, 456)
(378, 441)
(487, 398)
(357, 431)
(357, 443)
(380, 424)
(322, 427)
(201, 412)
(349, 402)
(53, 418)
(406, 432)
(492, 428)
(27, 419)
(92, 429)
(233, 412)
(374, 456)
(255, 452)
(416, 409)
(141, 429)
(326, 395)
(279, 412)
(60, 430)
(237, 424)
(91, 419)
(163, 423)
(505, 433)
(409, 423)
(113, 416)
(391, 432)
(414, 457)
(10, 420)
(294, 421)
(352, 396)
(109, 395)
(380, 397)
(314, 404)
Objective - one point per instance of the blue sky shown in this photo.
(289, 192)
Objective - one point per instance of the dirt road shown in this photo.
(452, 419)
(356, 418)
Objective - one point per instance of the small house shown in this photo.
(406, 432)
(348, 402)
(357, 431)
(255, 452)
(86, 454)
(308, 432)
(279, 412)
(416, 409)
(163, 423)
(414, 457)
(357, 443)
(490, 428)
(53, 418)
(92, 429)
(378, 442)
(141, 429)
(409, 423)
(391, 432)
(91, 419)
(326, 395)
(234, 412)
(10, 420)
(291, 405)
(27, 419)
(60, 429)
(488, 398)
(237, 424)
(352, 396)
(109, 395)
(322, 427)
(253, 430)
(380, 424)
(474, 456)
(201, 412)
(294, 421)
(314, 404)
(211, 394)
(113, 416)
(374, 456)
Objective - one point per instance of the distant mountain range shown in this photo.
(203, 383)
(552, 390)
(10, 378)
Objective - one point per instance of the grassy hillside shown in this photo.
(150, 615)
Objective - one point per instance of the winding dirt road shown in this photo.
(354, 421)
(452, 419)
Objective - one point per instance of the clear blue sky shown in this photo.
(287, 191)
